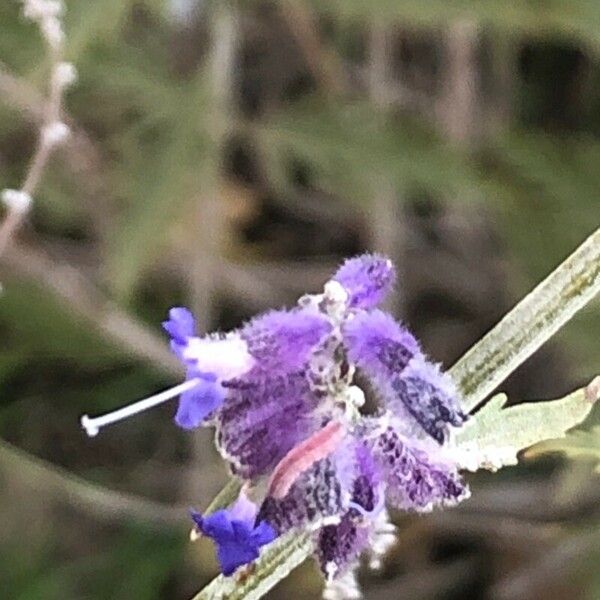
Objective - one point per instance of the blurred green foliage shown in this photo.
(153, 130)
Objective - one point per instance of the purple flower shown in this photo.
(282, 394)
(235, 534)
(367, 279)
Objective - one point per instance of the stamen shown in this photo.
(92, 425)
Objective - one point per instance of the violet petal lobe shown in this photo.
(367, 279)
(197, 404)
(237, 539)
(416, 480)
(180, 325)
(409, 385)
(284, 340)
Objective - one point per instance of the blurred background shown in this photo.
(227, 156)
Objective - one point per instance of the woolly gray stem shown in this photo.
(529, 324)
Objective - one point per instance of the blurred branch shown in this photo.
(90, 498)
(52, 131)
(323, 64)
(88, 302)
(80, 152)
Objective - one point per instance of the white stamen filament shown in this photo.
(92, 425)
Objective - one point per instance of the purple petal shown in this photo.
(181, 324)
(429, 396)
(234, 554)
(197, 404)
(365, 487)
(284, 340)
(378, 344)
(415, 479)
(263, 419)
(263, 534)
(339, 546)
(243, 509)
(216, 526)
(410, 386)
(237, 539)
(367, 279)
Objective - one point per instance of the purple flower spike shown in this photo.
(237, 538)
(283, 340)
(367, 279)
(197, 404)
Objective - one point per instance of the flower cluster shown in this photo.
(282, 393)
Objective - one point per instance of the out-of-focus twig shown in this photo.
(47, 15)
(88, 302)
(92, 499)
(81, 154)
(323, 64)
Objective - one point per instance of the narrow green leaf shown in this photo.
(497, 434)
(529, 324)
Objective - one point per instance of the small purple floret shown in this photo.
(234, 533)
(415, 480)
(368, 279)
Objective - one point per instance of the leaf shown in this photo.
(534, 320)
(496, 435)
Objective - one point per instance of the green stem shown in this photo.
(529, 324)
